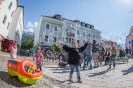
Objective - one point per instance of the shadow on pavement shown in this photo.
(62, 72)
(4, 76)
(130, 70)
(99, 73)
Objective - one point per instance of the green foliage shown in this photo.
(56, 47)
(28, 43)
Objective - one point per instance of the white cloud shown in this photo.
(35, 24)
(31, 30)
(30, 25)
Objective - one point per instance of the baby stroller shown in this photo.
(63, 59)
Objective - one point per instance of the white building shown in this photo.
(11, 20)
(129, 40)
(51, 29)
(106, 43)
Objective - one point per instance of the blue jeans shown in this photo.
(87, 58)
(72, 67)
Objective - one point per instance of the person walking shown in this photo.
(88, 55)
(74, 59)
(112, 55)
(107, 56)
(95, 54)
(13, 50)
(101, 53)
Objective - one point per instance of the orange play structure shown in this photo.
(25, 70)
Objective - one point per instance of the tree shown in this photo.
(57, 47)
(28, 43)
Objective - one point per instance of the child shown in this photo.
(39, 59)
(13, 50)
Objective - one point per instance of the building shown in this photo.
(106, 43)
(11, 20)
(129, 40)
(51, 29)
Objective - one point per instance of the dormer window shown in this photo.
(82, 24)
(57, 17)
(92, 27)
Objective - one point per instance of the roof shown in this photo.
(63, 19)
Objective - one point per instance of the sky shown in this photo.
(113, 18)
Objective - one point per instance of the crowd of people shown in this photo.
(91, 51)
(78, 55)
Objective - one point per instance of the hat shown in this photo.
(111, 43)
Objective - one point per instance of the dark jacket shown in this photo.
(107, 54)
(95, 48)
(74, 57)
(101, 49)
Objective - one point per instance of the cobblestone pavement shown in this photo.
(55, 77)
(7, 81)
(100, 77)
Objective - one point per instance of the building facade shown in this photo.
(106, 43)
(11, 20)
(52, 29)
(129, 40)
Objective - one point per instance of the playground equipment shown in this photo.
(25, 70)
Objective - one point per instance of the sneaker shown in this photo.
(94, 67)
(79, 81)
(70, 79)
(83, 68)
(90, 68)
(109, 68)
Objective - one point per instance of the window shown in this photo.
(12, 13)
(47, 26)
(10, 5)
(8, 25)
(93, 36)
(4, 20)
(83, 33)
(55, 28)
(46, 37)
(54, 39)
(78, 41)
(70, 40)
(97, 36)
(66, 39)
(89, 35)
(77, 31)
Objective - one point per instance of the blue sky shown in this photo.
(113, 18)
